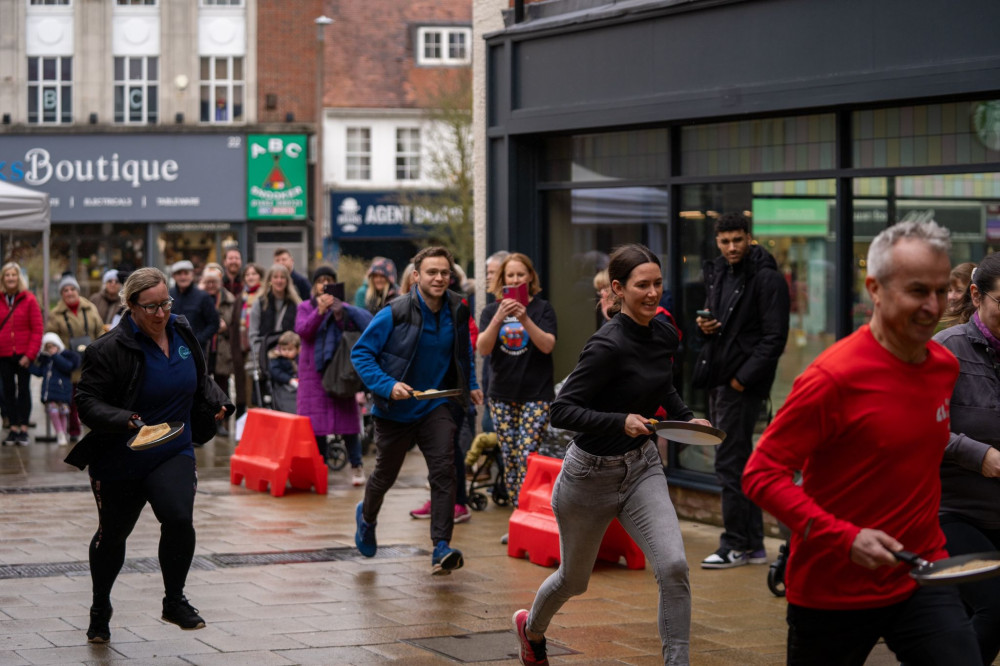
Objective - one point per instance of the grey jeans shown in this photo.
(589, 492)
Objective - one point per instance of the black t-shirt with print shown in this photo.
(520, 372)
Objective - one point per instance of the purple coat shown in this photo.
(329, 415)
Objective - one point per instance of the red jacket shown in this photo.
(22, 334)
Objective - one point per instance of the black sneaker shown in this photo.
(99, 631)
(11, 438)
(724, 558)
(22, 438)
(182, 613)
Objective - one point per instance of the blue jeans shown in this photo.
(589, 492)
(928, 629)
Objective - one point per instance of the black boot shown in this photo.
(99, 630)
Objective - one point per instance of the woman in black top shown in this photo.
(613, 470)
(518, 340)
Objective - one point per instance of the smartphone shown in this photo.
(705, 314)
(335, 289)
(518, 293)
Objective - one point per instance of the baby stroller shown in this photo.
(488, 474)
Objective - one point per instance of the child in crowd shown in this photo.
(55, 365)
(284, 370)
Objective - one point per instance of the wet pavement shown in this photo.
(279, 582)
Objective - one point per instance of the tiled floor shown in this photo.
(355, 611)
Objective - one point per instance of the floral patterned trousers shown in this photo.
(520, 426)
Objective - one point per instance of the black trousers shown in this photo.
(435, 436)
(16, 397)
(736, 413)
(169, 489)
(981, 598)
(928, 629)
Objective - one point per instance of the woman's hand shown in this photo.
(324, 302)
(221, 415)
(508, 307)
(704, 422)
(401, 391)
(24, 361)
(636, 425)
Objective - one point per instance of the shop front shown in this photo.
(128, 200)
(822, 122)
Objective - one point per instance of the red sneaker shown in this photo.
(462, 514)
(530, 652)
(423, 512)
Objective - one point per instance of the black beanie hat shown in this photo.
(324, 270)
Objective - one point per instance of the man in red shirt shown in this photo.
(867, 423)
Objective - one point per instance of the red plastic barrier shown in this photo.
(533, 529)
(276, 449)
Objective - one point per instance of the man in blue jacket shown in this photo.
(193, 303)
(420, 342)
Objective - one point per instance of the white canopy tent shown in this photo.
(22, 209)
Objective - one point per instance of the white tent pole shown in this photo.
(45, 273)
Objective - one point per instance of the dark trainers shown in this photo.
(11, 438)
(22, 438)
(99, 630)
(529, 652)
(445, 559)
(182, 613)
(364, 538)
(724, 558)
(758, 556)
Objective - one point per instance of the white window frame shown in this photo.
(37, 88)
(358, 153)
(230, 85)
(150, 88)
(443, 36)
(408, 144)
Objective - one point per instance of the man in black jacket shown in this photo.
(746, 326)
(190, 301)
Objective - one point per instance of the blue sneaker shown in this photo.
(445, 559)
(364, 538)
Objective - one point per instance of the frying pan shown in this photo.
(430, 394)
(937, 573)
(176, 428)
(684, 432)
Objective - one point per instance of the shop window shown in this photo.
(927, 135)
(636, 154)
(794, 222)
(50, 90)
(359, 153)
(136, 98)
(221, 3)
(407, 153)
(50, 2)
(222, 89)
(767, 145)
(136, 2)
(584, 226)
(443, 46)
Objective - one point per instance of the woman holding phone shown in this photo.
(320, 323)
(518, 334)
(612, 469)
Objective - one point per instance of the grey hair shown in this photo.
(139, 281)
(498, 256)
(879, 252)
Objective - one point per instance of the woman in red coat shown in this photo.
(20, 340)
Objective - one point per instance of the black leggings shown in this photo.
(16, 397)
(981, 598)
(170, 490)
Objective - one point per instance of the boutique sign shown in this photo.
(367, 214)
(131, 178)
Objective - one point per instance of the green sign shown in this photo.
(277, 186)
(790, 217)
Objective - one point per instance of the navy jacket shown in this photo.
(199, 309)
(56, 372)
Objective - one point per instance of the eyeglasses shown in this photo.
(151, 308)
(993, 298)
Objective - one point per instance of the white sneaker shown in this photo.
(357, 476)
(61, 439)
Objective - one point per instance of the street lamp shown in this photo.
(320, 231)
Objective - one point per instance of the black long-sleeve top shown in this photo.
(624, 368)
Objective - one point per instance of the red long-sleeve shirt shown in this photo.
(868, 431)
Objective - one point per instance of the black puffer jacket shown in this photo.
(975, 413)
(112, 373)
(754, 324)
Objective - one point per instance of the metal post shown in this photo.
(320, 195)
